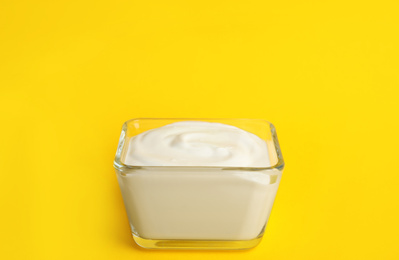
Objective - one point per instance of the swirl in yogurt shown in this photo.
(197, 143)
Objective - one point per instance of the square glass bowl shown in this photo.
(198, 207)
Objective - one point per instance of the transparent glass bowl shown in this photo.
(190, 207)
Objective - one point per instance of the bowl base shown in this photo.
(196, 244)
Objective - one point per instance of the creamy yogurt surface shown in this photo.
(197, 143)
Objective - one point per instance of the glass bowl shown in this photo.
(198, 207)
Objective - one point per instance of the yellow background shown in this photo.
(325, 73)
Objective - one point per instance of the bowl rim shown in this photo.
(120, 166)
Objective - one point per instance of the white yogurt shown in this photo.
(198, 203)
(196, 143)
